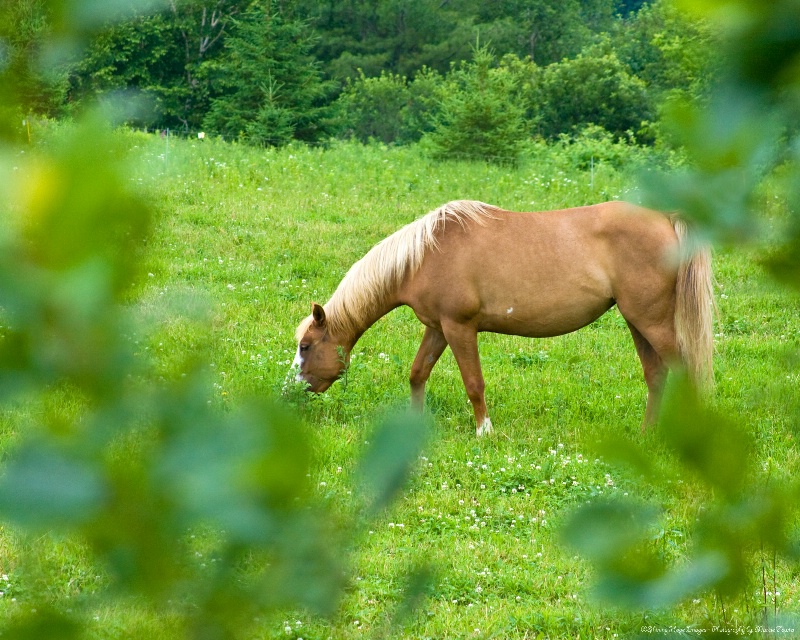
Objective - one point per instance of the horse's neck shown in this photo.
(369, 318)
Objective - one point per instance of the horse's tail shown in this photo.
(695, 308)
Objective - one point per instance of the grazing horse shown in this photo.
(469, 267)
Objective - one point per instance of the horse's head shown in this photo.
(320, 358)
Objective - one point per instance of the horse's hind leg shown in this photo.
(655, 374)
(432, 346)
(463, 341)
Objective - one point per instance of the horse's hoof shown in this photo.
(485, 428)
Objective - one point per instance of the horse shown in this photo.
(469, 267)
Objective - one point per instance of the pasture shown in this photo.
(257, 235)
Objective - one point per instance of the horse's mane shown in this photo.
(381, 271)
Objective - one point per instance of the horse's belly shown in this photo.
(529, 306)
(535, 321)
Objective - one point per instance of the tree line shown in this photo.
(480, 76)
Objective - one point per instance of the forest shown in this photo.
(468, 77)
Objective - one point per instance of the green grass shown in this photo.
(256, 235)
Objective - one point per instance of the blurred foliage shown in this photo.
(742, 517)
(744, 131)
(671, 52)
(742, 134)
(128, 463)
(617, 538)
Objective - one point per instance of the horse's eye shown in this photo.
(304, 347)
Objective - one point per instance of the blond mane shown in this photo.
(381, 271)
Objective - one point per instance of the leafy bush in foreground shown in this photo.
(126, 464)
(743, 135)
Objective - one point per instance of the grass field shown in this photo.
(257, 235)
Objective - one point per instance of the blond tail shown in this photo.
(695, 309)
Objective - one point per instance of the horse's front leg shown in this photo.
(463, 341)
(432, 346)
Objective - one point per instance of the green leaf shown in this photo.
(239, 472)
(667, 590)
(44, 625)
(617, 450)
(784, 263)
(307, 566)
(387, 462)
(79, 15)
(601, 531)
(418, 584)
(613, 536)
(44, 487)
(714, 447)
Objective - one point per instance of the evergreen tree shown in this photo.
(479, 117)
(266, 87)
(27, 86)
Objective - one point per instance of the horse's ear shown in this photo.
(319, 314)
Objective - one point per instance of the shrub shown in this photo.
(593, 145)
(592, 89)
(389, 107)
(372, 106)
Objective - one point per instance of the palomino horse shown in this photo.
(469, 267)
